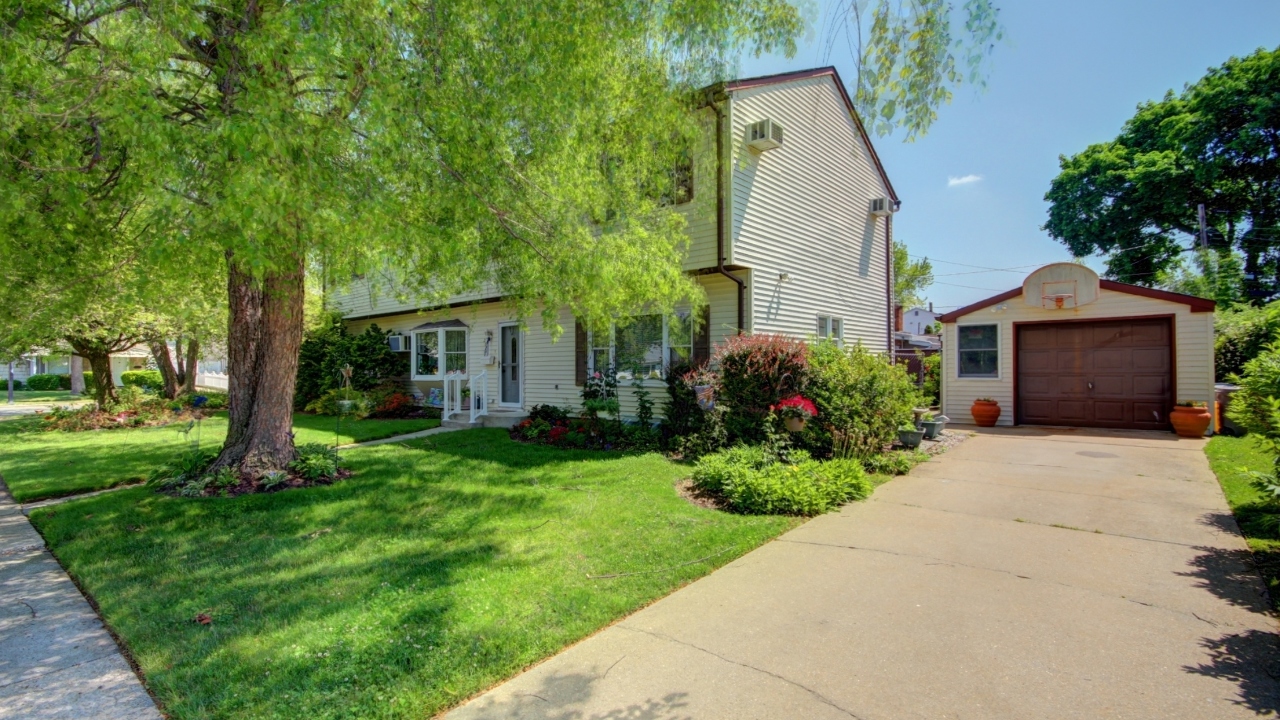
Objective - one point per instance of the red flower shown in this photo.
(557, 433)
(796, 406)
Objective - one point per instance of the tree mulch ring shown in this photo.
(703, 499)
(251, 486)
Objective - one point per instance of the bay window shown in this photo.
(439, 350)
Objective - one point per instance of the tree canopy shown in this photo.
(911, 56)
(910, 277)
(527, 146)
(1135, 198)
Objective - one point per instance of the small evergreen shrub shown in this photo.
(326, 351)
(17, 384)
(46, 382)
(149, 380)
(549, 414)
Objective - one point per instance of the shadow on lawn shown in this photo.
(386, 548)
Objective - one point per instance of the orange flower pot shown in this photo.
(1190, 422)
(985, 412)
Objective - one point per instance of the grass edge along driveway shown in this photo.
(439, 569)
(37, 465)
(1230, 458)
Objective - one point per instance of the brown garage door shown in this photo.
(1113, 374)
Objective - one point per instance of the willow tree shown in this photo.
(520, 144)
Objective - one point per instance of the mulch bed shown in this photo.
(687, 490)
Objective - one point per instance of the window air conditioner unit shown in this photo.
(880, 207)
(398, 343)
(765, 135)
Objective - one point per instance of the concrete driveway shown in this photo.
(1024, 574)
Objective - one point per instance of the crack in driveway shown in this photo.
(822, 698)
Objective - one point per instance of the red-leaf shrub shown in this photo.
(756, 371)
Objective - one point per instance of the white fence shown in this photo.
(213, 381)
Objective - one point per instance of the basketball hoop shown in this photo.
(1057, 299)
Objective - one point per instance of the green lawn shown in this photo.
(1227, 455)
(37, 464)
(436, 571)
(40, 397)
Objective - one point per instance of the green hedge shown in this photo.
(17, 384)
(149, 380)
(49, 381)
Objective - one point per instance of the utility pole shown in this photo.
(1204, 231)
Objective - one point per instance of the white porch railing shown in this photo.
(479, 385)
(452, 401)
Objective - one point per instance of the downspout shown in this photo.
(715, 101)
(888, 273)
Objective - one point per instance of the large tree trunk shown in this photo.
(265, 333)
(104, 387)
(192, 367)
(160, 351)
(76, 368)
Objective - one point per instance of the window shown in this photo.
(979, 348)
(644, 343)
(831, 328)
(427, 353)
(427, 356)
(637, 346)
(680, 340)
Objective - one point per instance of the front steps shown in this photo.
(497, 418)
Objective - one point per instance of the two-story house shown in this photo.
(790, 233)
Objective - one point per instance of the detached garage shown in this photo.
(1067, 348)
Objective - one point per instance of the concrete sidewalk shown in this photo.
(1024, 574)
(56, 658)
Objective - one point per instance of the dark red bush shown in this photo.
(756, 371)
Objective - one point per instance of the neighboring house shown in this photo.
(1066, 348)
(39, 364)
(803, 251)
(917, 321)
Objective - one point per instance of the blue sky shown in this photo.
(1069, 74)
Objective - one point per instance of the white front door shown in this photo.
(509, 355)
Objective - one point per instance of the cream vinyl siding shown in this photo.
(548, 366)
(1193, 348)
(803, 209)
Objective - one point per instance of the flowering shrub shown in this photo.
(689, 427)
(395, 404)
(796, 406)
(755, 372)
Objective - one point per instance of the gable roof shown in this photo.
(1197, 304)
(747, 83)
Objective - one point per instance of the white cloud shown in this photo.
(965, 180)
